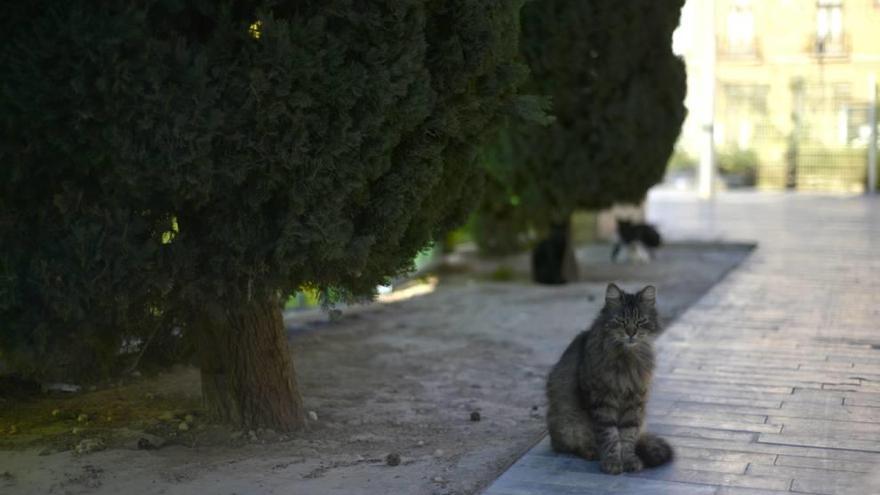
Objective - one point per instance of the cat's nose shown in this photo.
(631, 331)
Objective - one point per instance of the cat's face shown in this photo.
(632, 318)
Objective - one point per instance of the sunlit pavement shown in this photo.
(771, 382)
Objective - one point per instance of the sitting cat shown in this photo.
(598, 389)
(640, 239)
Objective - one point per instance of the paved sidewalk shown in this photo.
(771, 382)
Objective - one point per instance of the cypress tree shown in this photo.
(190, 164)
(617, 91)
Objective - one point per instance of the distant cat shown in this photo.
(598, 389)
(639, 238)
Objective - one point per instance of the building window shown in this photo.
(829, 27)
(741, 28)
(743, 111)
(751, 98)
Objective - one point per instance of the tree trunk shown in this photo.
(247, 371)
(570, 272)
(553, 260)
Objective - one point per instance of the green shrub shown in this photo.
(502, 274)
(682, 160)
(737, 161)
(740, 163)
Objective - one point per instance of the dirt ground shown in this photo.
(450, 380)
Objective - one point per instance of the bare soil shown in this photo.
(434, 394)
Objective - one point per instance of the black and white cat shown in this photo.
(639, 239)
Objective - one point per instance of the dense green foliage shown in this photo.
(161, 158)
(500, 226)
(617, 91)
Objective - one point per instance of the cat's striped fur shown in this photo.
(598, 389)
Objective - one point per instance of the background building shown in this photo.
(791, 89)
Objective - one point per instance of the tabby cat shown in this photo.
(598, 389)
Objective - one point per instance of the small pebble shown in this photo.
(421, 442)
(183, 426)
(438, 479)
(252, 435)
(149, 442)
(313, 416)
(82, 418)
(76, 431)
(475, 416)
(189, 418)
(56, 412)
(439, 453)
(89, 445)
(534, 408)
(392, 459)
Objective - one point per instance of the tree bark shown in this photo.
(570, 271)
(248, 378)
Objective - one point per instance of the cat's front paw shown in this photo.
(632, 464)
(611, 466)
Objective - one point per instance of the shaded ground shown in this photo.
(400, 378)
(770, 383)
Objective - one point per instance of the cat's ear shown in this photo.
(613, 294)
(648, 295)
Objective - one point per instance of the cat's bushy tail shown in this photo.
(653, 450)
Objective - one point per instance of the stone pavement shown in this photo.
(771, 382)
